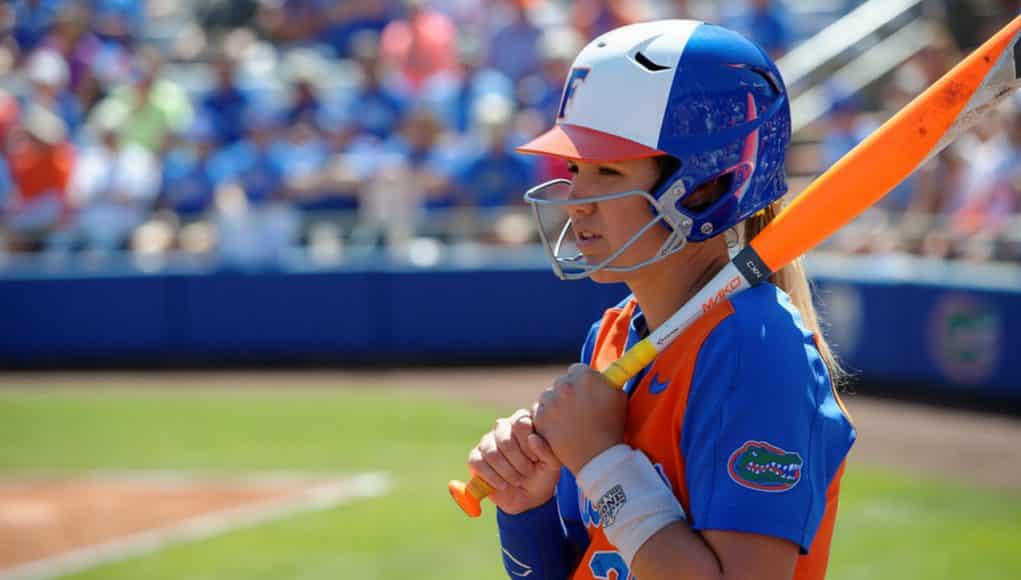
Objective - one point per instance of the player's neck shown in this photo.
(664, 287)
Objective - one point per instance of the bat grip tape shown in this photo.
(751, 266)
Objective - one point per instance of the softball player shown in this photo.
(723, 458)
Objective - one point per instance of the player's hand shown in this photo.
(580, 416)
(517, 463)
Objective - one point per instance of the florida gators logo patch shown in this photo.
(764, 467)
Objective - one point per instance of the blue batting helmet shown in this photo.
(697, 92)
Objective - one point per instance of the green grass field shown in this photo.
(890, 525)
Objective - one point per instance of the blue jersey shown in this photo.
(739, 416)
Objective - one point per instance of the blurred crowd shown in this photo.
(247, 129)
(964, 203)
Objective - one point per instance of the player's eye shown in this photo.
(604, 170)
(572, 168)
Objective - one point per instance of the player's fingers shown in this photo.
(508, 443)
(519, 415)
(521, 428)
(490, 445)
(478, 466)
(541, 448)
(499, 462)
(564, 386)
(539, 409)
(514, 454)
(578, 369)
(549, 396)
(562, 380)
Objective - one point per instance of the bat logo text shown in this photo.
(754, 269)
(732, 285)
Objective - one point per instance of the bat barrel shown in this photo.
(891, 153)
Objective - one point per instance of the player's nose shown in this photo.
(579, 205)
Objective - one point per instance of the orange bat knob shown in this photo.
(469, 495)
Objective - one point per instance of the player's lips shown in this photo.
(586, 238)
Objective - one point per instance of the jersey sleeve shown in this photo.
(546, 542)
(763, 433)
(534, 544)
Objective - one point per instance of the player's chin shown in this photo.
(608, 277)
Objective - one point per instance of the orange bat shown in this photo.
(868, 172)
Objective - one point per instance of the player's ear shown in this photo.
(707, 194)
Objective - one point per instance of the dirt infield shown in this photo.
(44, 516)
(56, 525)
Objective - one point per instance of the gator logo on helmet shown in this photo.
(764, 467)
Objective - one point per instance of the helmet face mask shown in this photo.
(573, 266)
(696, 92)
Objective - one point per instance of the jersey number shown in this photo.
(609, 566)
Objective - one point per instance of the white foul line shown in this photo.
(323, 496)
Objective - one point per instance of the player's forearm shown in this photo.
(676, 551)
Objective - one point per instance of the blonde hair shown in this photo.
(792, 280)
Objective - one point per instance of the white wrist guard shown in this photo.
(632, 500)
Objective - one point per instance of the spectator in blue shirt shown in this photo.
(767, 22)
(408, 192)
(225, 106)
(493, 175)
(844, 126)
(333, 178)
(512, 49)
(119, 21)
(300, 155)
(33, 20)
(305, 103)
(426, 148)
(541, 92)
(188, 182)
(6, 184)
(250, 162)
(454, 96)
(256, 224)
(346, 19)
(376, 107)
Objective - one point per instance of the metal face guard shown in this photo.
(554, 193)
